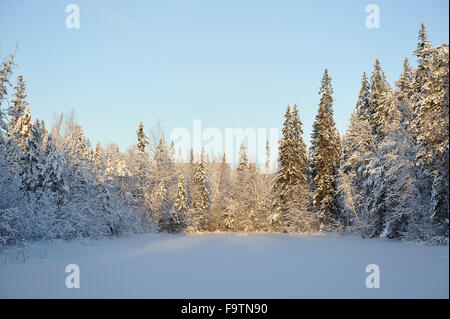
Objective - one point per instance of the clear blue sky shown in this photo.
(231, 63)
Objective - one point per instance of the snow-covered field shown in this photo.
(227, 266)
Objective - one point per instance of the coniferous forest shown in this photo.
(387, 176)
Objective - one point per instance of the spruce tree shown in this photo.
(22, 129)
(197, 218)
(141, 186)
(379, 88)
(97, 157)
(19, 103)
(53, 174)
(3, 127)
(200, 201)
(363, 103)
(190, 176)
(386, 114)
(424, 56)
(224, 179)
(325, 153)
(241, 183)
(280, 185)
(5, 73)
(406, 205)
(292, 172)
(267, 164)
(404, 83)
(432, 128)
(32, 160)
(174, 219)
(358, 144)
(142, 139)
(220, 199)
(181, 204)
(423, 53)
(244, 192)
(159, 201)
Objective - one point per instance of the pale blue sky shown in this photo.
(231, 63)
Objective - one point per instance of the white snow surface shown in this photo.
(222, 265)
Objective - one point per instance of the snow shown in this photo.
(219, 265)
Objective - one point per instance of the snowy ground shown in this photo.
(227, 266)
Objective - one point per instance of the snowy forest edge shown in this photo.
(387, 176)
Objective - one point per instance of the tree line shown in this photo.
(387, 176)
